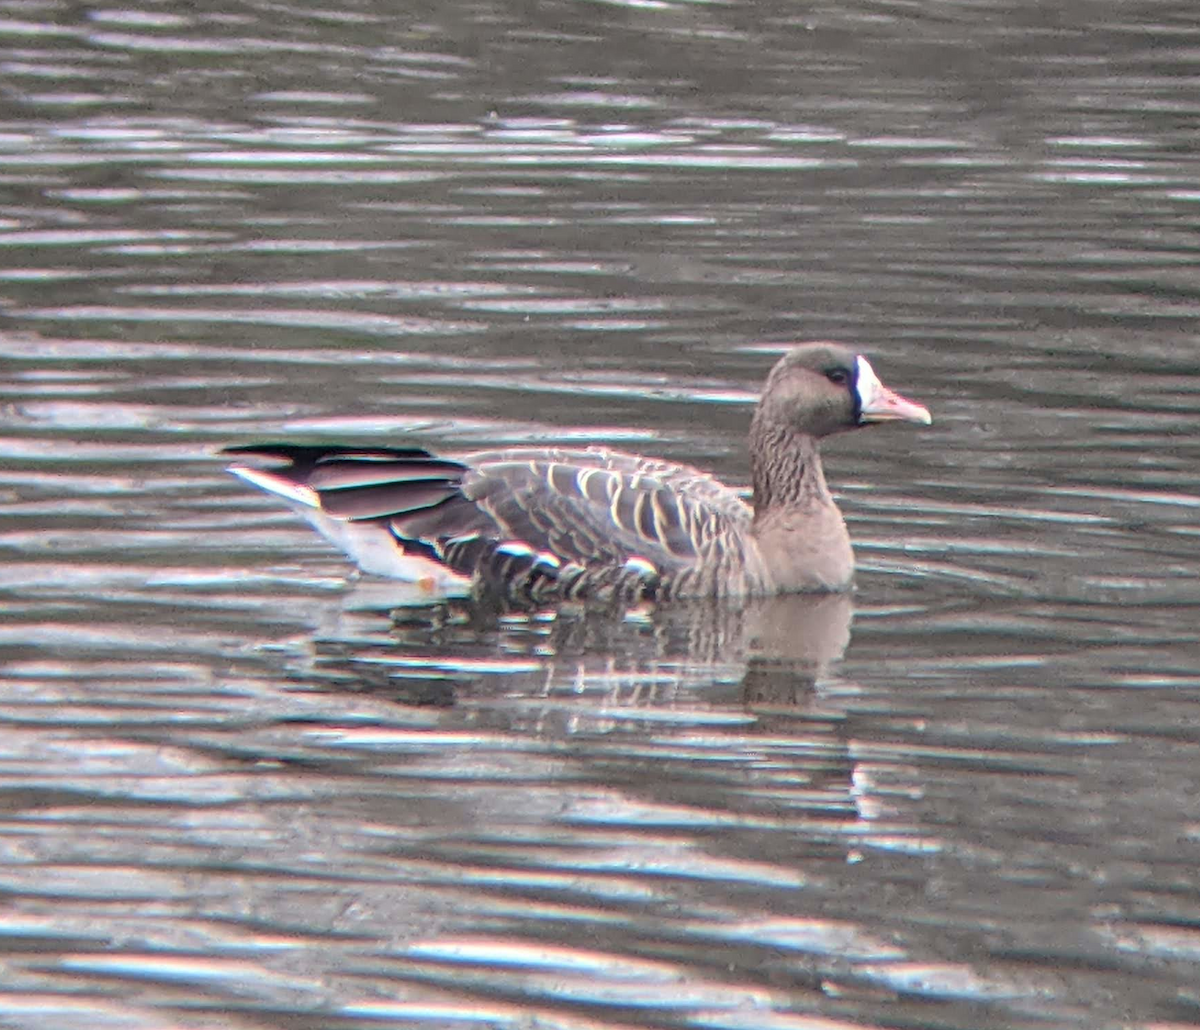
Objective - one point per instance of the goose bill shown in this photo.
(876, 403)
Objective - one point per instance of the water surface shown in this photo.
(242, 788)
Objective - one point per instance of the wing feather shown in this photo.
(603, 506)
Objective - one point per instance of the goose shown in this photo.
(546, 523)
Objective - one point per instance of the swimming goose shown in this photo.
(558, 523)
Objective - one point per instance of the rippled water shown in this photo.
(242, 788)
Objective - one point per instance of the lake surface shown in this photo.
(243, 787)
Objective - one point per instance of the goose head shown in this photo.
(817, 389)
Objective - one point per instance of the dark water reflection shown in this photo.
(239, 787)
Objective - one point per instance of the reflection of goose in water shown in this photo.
(794, 641)
(680, 711)
(546, 524)
(753, 650)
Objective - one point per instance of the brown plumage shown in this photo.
(560, 523)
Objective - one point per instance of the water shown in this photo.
(242, 789)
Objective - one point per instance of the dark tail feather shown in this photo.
(357, 483)
(346, 473)
(305, 457)
(386, 499)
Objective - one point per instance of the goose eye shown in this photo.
(838, 376)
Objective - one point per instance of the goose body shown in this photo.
(545, 523)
